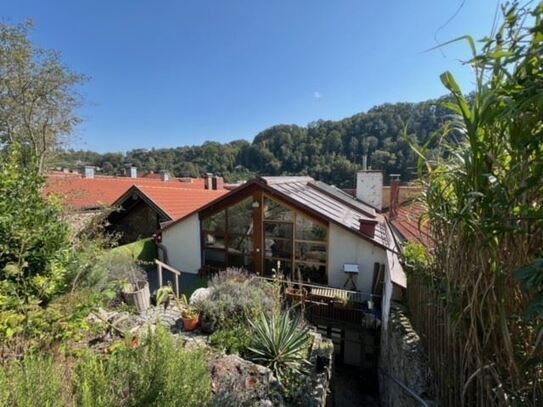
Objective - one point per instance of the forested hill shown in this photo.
(331, 151)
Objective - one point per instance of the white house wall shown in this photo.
(346, 247)
(183, 244)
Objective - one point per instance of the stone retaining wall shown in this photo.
(321, 359)
(403, 358)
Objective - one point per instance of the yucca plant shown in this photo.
(280, 343)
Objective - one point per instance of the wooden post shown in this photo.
(159, 275)
(177, 285)
(258, 234)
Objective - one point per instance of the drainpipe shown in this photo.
(161, 248)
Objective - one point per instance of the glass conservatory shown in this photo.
(265, 235)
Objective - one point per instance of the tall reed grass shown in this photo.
(484, 204)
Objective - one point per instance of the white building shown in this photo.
(299, 228)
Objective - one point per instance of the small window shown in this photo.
(313, 273)
(310, 252)
(215, 258)
(278, 267)
(278, 248)
(214, 240)
(216, 222)
(240, 218)
(307, 229)
(281, 230)
(276, 211)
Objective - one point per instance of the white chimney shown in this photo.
(89, 171)
(133, 172)
(369, 188)
(164, 176)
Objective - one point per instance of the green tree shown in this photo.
(37, 95)
(33, 237)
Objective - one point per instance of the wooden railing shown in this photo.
(163, 266)
(332, 305)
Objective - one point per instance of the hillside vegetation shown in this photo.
(328, 150)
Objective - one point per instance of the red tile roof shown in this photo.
(410, 223)
(78, 192)
(173, 201)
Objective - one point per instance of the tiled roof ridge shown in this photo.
(178, 188)
(122, 178)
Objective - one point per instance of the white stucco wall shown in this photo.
(183, 243)
(346, 247)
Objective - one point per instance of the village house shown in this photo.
(138, 204)
(143, 208)
(297, 228)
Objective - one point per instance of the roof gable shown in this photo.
(172, 202)
(301, 192)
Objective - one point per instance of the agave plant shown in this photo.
(279, 343)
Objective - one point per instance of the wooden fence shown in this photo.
(443, 342)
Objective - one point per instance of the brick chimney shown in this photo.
(217, 183)
(89, 171)
(394, 195)
(367, 226)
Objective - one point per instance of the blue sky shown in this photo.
(170, 72)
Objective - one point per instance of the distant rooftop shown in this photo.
(79, 192)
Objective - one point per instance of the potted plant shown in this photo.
(190, 317)
(136, 292)
(189, 314)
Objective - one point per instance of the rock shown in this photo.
(200, 294)
(236, 381)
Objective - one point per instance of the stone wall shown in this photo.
(321, 359)
(403, 358)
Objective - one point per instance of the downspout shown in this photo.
(161, 249)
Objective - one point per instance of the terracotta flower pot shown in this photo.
(190, 324)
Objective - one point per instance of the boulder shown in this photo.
(200, 294)
(237, 381)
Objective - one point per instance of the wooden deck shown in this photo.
(333, 306)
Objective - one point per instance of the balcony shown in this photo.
(324, 305)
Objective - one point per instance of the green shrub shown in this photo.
(280, 343)
(34, 240)
(416, 256)
(32, 382)
(236, 297)
(231, 340)
(158, 373)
